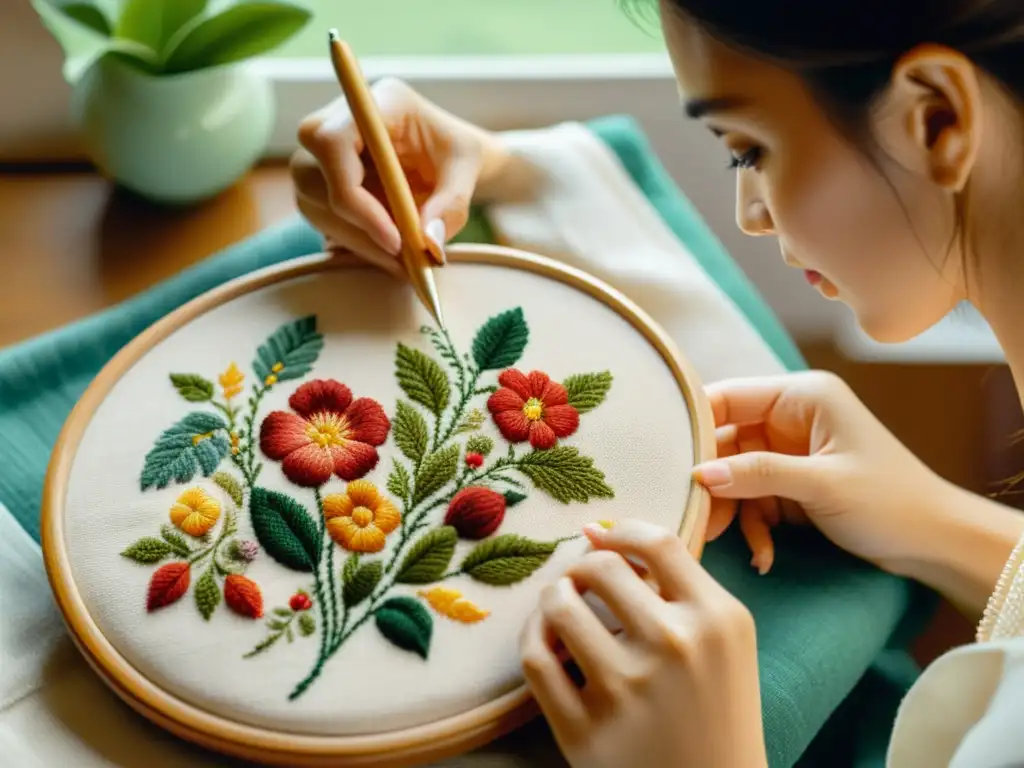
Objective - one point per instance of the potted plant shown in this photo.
(161, 90)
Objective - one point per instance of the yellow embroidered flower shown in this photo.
(361, 518)
(195, 512)
(231, 381)
(450, 602)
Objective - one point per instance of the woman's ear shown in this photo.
(930, 121)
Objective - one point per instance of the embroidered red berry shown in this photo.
(243, 596)
(300, 602)
(168, 584)
(476, 512)
(474, 460)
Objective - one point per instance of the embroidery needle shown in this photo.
(416, 247)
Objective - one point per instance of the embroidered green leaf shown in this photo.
(289, 633)
(513, 497)
(506, 559)
(565, 475)
(406, 624)
(588, 390)
(148, 550)
(284, 529)
(428, 558)
(290, 351)
(479, 444)
(307, 625)
(196, 443)
(362, 583)
(284, 613)
(411, 433)
(207, 594)
(175, 540)
(501, 340)
(349, 569)
(437, 470)
(471, 422)
(192, 387)
(263, 645)
(277, 624)
(230, 486)
(399, 481)
(422, 379)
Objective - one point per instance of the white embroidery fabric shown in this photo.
(369, 686)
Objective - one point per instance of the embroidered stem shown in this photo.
(329, 629)
(229, 528)
(247, 464)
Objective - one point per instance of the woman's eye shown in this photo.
(748, 159)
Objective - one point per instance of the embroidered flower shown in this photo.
(361, 518)
(195, 512)
(231, 381)
(300, 602)
(244, 551)
(476, 512)
(331, 433)
(533, 408)
(474, 460)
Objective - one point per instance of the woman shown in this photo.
(882, 143)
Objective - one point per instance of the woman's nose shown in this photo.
(752, 216)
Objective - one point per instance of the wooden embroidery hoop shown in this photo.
(422, 744)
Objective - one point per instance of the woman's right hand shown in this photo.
(443, 157)
(803, 448)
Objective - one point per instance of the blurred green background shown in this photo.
(476, 27)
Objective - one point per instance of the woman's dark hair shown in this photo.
(846, 49)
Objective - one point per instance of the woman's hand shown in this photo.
(802, 447)
(443, 157)
(678, 686)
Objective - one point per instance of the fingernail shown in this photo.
(762, 561)
(437, 232)
(713, 474)
(595, 529)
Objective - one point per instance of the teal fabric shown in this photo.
(822, 617)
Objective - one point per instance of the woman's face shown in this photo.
(874, 236)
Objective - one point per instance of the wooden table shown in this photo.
(74, 244)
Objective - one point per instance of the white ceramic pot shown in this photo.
(174, 139)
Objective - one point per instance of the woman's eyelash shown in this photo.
(746, 159)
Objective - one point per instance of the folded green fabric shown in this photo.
(822, 617)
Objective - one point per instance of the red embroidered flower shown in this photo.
(300, 602)
(331, 433)
(533, 408)
(474, 460)
(475, 512)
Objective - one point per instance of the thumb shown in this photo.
(449, 202)
(757, 474)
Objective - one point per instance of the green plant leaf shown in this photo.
(471, 422)
(295, 346)
(399, 481)
(307, 625)
(406, 624)
(154, 22)
(83, 46)
(147, 550)
(348, 571)
(362, 583)
(428, 558)
(284, 613)
(92, 13)
(481, 444)
(228, 32)
(513, 497)
(501, 340)
(175, 540)
(284, 529)
(192, 387)
(565, 475)
(437, 470)
(207, 594)
(411, 433)
(196, 443)
(422, 378)
(230, 486)
(506, 559)
(588, 390)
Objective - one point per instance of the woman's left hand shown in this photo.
(677, 687)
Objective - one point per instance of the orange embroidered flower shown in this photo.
(231, 381)
(361, 518)
(195, 512)
(332, 433)
(533, 408)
